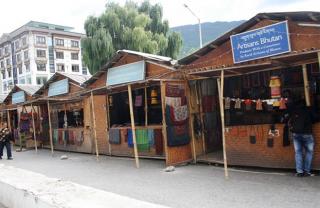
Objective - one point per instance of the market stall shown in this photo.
(257, 82)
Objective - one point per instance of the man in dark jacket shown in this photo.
(301, 120)
(5, 138)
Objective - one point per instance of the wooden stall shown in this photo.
(64, 114)
(23, 121)
(129, 102)
(255, 82)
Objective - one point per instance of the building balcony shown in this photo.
(8, 66)
(7, 54)
(41, 60)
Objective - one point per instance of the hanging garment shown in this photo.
(173, 101)
(151, 137)
(178, 135)
(138, 101)
(79, 138)
(61, 137)
(259, 105)
(170, 118)
(158, 141)
(227, 103)
(208, 103)
(248, 104)
(71, 137)
(286, 137)
(142, 140)
(174, 90)
(283, 105)
(197, 127)
(114, 136)
(55, 136)
(66, 137)
(130, 138)
(237, 104)
(180, 113)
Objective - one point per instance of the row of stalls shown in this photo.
(224, 103)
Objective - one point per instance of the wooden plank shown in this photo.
(191, 122)
(164, 124)
(220, 83)
(201, 119)
(133, 126)
(34, 129)
(94, 126)
(8, 120)
(50, 127)
(306, 84)
(145, 107)
(108, 124)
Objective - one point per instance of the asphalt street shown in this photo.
(188, 186)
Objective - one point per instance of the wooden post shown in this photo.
(220, 83)
(108, 125)
(50, 127)
(164, 124)
(133, 126)
(146, 106)
(199, 98)
(94, 126)
(191, 122)
(306, 84)
(319, 58)
(34, 130)
(8, 120)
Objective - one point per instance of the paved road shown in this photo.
(1, 206)
(189, 186)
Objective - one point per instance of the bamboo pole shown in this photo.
(50, 127)
(34, 129)
(199, 98)
(94, 126)
(306, 84)
(220, 83)
(108, 125)
(319, 58)
(133, 126)
(191, 122)
(164, 124)
(8, 120)
(146, 106)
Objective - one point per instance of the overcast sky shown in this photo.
(15, 13)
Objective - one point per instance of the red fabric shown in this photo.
(158, 141)
(60, 139)
(174, 90)
(180, 130)
(208, 103)
(71, 138)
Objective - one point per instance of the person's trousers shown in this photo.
(8, 147)
(303, 142)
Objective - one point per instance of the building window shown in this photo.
(41, 67)
(17, 45)
(27, 67)
(24, 41)
(41, 80)
(84, 70)
(74, 44)
(41, 40)
(1, 52)
(22, 81)
(75, 56)
(1, 64)
(28, 80)
(6, 50)
(3, 74)
(19, 57)
(41, 53)
(59, 55)
(20, 69)
(60, 67)
(75, 68)
(9, 73)
(59, 42)
(26, 55)
(8, 62)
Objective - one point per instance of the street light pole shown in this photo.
(199, 22)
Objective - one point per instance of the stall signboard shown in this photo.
(18, 97)
(126, 73)
(262, 42)
(58, 88)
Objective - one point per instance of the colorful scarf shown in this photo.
(174, 90)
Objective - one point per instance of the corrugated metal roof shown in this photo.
(303, 16)
(76, 77)
(29, 89)
(2, 97)
(148, 55)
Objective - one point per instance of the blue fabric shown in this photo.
(151, 137)
(177, 140)
(114, 136)
(130, 138)
(303, 142)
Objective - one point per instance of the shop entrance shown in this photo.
(13, 124)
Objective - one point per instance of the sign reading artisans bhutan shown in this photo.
(262, 42)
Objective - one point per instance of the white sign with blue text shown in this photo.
(58, 88)
(18, 97)
(262, 42)
(126, 73)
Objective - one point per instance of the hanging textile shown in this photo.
(283, 105)
(237, 104)
(79, 138)
(173, 101)
(55, 136)
(130, 138)
(197, 127)
(227, 103)
(179, 114)
(248, 104)
(138, 101)
(259, 105)
(71, 137)
(61, 137)
(124, 135)
(114, 136)
(151, 137)
(158, 141)
(178, 135)
(286, 137)
(208, 103)
(66, 138)
(142, 140)
(174, 90)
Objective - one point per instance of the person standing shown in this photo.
(5, 141)
(301, 120)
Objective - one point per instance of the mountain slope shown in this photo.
(210, 31)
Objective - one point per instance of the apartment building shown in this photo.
(35, 51)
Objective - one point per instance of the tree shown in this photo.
(138, 27)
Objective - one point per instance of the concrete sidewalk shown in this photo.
(188, 186)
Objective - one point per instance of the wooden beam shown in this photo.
(220, 83)
(34, 129)
(8, 120)
(133, 126)
(306, 84)
(164, 124)
(108, 124)
(94, 126)
(187, 87)
(50, 127)
(145, 106)
(199, 98)
(213, 46)
(319, 59)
